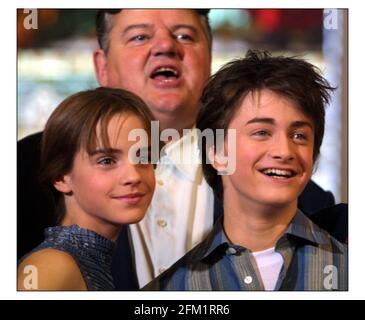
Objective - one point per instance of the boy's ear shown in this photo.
(217, 160)
(100, 65)
(63, 185)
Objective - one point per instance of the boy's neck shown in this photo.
(257, 230)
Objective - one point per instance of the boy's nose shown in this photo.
(282, 149)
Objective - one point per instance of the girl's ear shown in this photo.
(63, 185)
(217, 160)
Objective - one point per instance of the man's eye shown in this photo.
(184, 37)
(139, 37)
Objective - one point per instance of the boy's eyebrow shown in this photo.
(294, 124)
(299, 124)
(261, 120)
(105, 151)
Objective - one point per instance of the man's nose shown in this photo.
(165, 44)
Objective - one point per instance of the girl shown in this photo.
(85, 156)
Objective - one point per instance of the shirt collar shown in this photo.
(216, 239)
(184, 154)
(300, 227)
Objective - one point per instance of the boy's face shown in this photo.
(274, 152)
(106, 189)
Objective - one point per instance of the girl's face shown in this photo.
(105, 190)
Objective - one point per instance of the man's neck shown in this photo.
(255, 229)
(177, 125)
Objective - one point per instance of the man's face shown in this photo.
(274, 153)
(161, 55)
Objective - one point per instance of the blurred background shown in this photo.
(55, 60)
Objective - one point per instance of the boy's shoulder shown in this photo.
(176, 277)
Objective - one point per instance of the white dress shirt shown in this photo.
(181, 212)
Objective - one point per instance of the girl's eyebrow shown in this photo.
(110, 151)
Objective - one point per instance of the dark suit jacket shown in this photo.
(36, 206)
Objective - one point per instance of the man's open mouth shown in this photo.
(165, 73)
(278, 173)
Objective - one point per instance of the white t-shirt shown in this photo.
(269, 263)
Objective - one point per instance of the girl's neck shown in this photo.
(102, 228)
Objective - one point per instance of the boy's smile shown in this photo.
(274, 152)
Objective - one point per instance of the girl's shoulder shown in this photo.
(50, 269)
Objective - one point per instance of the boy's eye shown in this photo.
(300, 136)
(261, 133)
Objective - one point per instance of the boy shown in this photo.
(263, 241)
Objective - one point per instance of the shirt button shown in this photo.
(248, 279)
(162, 223)
(231, 250)
(160, 182)
(162, 269)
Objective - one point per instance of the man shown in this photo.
(168, 52)
(163, 56)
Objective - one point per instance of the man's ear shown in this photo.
(100, 65)
(63, 185)
(217, 160)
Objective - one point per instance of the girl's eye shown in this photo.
(144, 155)
(106, 161)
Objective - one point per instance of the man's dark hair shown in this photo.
(290, 77)
(104, 24)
